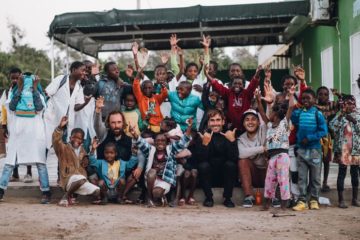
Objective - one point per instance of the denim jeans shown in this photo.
(309, 168)
(42, 171)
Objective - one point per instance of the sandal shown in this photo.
(181, 202)
(63, 203)
(191, 201)
(96, 202)
(150, 204)
(127, 201)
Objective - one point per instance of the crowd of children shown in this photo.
(166, 135)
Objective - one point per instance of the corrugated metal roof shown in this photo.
(231, 25)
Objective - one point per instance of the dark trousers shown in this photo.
(354, 172)
(217, 169)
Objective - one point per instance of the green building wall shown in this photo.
(314, 39)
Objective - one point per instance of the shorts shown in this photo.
(86, 189)
(162, 184)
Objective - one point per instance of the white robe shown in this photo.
(84, 118)
(59, 104)
(26, 142)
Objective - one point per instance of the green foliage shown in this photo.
(24, 57)
(245, 58)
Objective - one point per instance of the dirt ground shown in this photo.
(26, 219)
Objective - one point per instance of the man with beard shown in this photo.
(217, 154)
(111, 131)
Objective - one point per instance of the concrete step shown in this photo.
(33, 192)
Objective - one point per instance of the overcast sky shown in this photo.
(35, 16)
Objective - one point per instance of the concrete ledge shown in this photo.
(34, 192)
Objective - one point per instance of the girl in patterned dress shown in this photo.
(277, 147)
(346, 129)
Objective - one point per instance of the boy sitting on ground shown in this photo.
(160, 171)
(111, 172)
(72, 162)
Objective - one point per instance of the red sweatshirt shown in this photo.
(237, 104)
(292, 136)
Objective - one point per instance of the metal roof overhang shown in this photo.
(230, 25)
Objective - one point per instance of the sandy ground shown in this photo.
(26, 219)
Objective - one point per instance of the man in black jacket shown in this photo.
(217, 155)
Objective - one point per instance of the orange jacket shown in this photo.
(144, 103)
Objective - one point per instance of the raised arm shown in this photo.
(300, 75)
(16, 94)
(206, 42)
(254, 83)
(57, 141)
(205, 96)
(257, 94)
(135, 49)
(291, 103)
(38, 103)
(99, 126)
(173, 54)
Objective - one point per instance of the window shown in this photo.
(327, 69)
(355, 65)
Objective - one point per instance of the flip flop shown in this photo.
(128, 201)
(191, 201)
(63, 203)
(181, 202)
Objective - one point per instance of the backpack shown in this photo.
(25, 106)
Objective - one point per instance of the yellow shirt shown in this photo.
(113, 171)
(3, 115)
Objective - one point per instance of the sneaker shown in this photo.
(228, 203)
(104, 201)
(355, 203)
(2, 194)
(342, 204)
(314, 205)
(275, 203)
(291, 203)
(14, 179)
(46, 197)
(208, 202)
(248, 202)
(325, 188)
(300, 206)
(28, 178)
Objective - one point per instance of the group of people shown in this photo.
(185, 126)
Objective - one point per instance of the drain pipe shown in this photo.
(339, 46)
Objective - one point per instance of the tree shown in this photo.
(24, 57)
(245, 58)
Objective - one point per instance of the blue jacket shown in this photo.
(309, 123)
(102, 168)
(182, 109)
